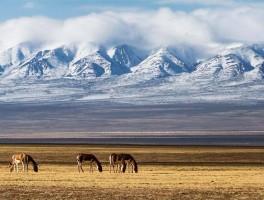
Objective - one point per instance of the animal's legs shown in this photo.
(16, 167)
(80, 167)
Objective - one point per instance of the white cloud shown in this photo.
(203, 2)
(142, 29)
(211, 2)
(30, 5)
(244, 24)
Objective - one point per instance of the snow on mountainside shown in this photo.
(166, 61)
(87, 71)
(47, 63)
(124, 55)
(92, 60)
(91, 66)
(73, 60)
(242, 61)
(13, 57)
(95, 63)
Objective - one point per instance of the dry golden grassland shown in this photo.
(164, 173)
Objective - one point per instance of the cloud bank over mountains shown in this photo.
(205, 28)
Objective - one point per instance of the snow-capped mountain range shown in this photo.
(91, 71)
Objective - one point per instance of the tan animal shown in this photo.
(24, 159)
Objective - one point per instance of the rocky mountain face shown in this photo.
(91, 71)
(125, 56)
(91, 61)
(234, 62)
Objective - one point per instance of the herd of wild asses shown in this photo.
(118, 162)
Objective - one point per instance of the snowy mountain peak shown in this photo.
(90, 60)
(236, 45)
(166, 61)
(234, 62)
(124, 55)
(16, 54)
(182, 53)
(81, 50)
(85, 71)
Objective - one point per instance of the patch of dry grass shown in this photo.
(162, 175)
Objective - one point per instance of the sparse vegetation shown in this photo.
(164, 173)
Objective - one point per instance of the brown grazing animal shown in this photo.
(90, 158)
(130, 161)
(24, 159)
(118, 161)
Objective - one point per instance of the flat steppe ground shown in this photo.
(165, 172)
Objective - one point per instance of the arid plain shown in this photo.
(165, 172)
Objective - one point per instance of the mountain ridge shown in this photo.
(92, 60)
(89, 71)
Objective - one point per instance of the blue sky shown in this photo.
(62, 9)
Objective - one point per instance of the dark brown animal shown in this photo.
(130, 161)
(81, 158)
(121, 161)
(118, 161)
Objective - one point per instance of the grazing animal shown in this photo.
(24, 159)
(90, 158)
(118, 160)
(130, 161)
